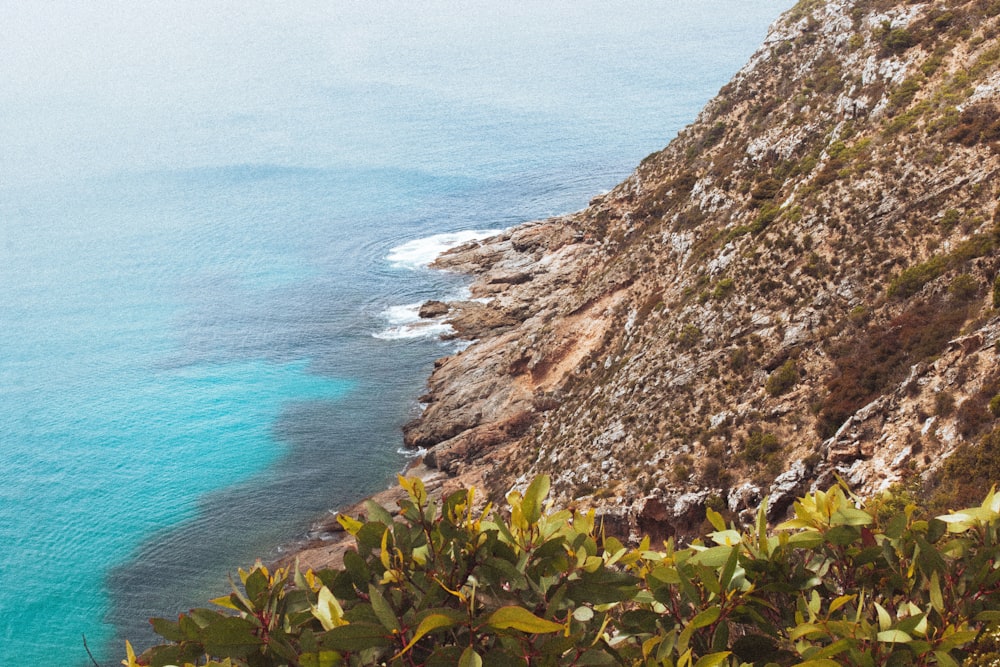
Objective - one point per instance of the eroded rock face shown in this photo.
(797, 288)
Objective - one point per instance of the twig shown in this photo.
(87, 649)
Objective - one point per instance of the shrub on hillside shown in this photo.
(782, 379)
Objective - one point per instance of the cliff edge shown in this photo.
(802, 285)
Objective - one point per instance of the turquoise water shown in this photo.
(212, 220)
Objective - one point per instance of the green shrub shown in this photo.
(912, 279)
(783, 379)
(904, 94)
(443, 584)
(978, 123)
(759, 445)
(723, 289)
(973, 466)
(964, 287)
(689, 336)
(898, 40)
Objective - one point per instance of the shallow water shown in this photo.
(213, 223)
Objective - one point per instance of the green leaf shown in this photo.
(320, 659)
(712, 557)
(807, 539)
(356, 637)
(894, 636)
(945, 659)
(937, 599)
(256, 584)
(519, 618)
(378, 513)
(533, 497)
(712, 659)
(470, 658)
(232, 636)
(385, 614)
(430, 623)
(850, 516)
(169, 630)
(706, 617)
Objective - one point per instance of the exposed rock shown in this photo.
(432, 308)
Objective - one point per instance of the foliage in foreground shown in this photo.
(446, 585)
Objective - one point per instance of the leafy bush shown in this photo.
(783, 379)
(913, 278)
(444, 585)
(759, 445)
(897, 40)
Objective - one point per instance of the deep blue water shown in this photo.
(207, 227)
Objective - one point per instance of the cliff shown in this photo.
(800, 286)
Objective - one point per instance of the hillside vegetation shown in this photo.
(803, 284)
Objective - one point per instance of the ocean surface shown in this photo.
(215, 220)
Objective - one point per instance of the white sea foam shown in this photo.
(418, 330)
(419, 253)
(405, 322)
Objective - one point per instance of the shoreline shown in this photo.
(476, 409)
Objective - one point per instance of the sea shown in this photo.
(215, 224)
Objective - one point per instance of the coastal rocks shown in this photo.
(450, 455)
(472, 319)
(432, 309)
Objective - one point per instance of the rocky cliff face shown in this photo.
(801, 285)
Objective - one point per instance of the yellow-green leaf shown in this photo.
(712, 659)
(715, 519)
(518, 618)
(706, 617)
(470, 658)
(352, 526)
(894, 637)
(840, 602)
(712, 557)
(430, 623)
(225, 601)
(327, 610)
(944, 659)
(533, 497)
(884, 620)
